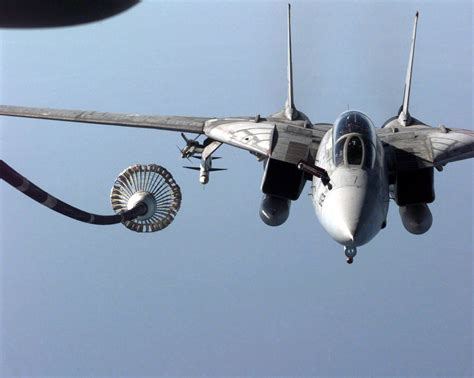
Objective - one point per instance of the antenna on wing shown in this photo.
(404, 116)
(290, 111)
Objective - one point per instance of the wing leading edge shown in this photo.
(254, 134)
(173, 123)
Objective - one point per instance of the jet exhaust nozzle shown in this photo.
(274, 211)
(417, 219)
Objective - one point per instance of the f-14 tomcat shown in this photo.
(355, 168)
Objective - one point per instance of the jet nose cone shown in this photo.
(345, 216)
(348, 231)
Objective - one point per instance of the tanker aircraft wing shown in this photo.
(55, 13)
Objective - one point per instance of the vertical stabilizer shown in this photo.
(290, 111)
(404, 116)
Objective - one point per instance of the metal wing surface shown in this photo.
(267, 136)
(421, 146)
(173, 123)
(243, 133)
(254, 134)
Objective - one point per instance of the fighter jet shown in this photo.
(355, 168)
(55, 13)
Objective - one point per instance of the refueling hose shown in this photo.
(25, 186)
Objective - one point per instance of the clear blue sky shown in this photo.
(218, 292)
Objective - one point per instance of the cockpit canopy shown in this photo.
(354, 140)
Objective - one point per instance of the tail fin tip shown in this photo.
(404, 117)
(290, 110)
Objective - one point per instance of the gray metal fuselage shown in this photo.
(355, 208)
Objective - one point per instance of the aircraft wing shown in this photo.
(173, 123)
(421, 146)
(54, 13)
(283, 139)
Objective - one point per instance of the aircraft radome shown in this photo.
(355, 168)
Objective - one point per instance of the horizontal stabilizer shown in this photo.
(184, 137)
(200, 157)
(210, 170)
